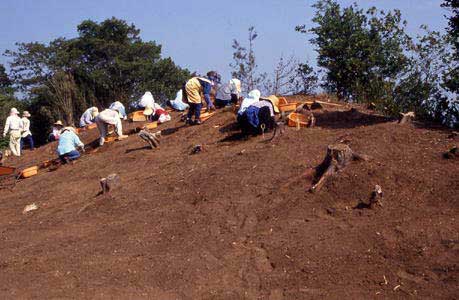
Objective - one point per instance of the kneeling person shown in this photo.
(259, 116)
(68, 144)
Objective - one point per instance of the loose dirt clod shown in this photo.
(196, 149)
(30, 207)
(338, 156)
(109, 183)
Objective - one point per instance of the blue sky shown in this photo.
(197, 34)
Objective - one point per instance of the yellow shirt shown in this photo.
(194, 89)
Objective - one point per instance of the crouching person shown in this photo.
(259, 116)
(88, 117)
(68, 144)
(109, 117)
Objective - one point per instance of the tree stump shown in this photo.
(453, 153)
(338, 156)
(407, 118)
(153, 139)
(376, 197)
(109, 183)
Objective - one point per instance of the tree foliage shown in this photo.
(361, 51)
(106, 62)
(291, 77)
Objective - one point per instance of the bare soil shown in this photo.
(236, 220)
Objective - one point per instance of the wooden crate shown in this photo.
(206, 116)
(91, 126)
(6, 170)
(151, 125)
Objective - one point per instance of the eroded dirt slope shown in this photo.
(236, 221)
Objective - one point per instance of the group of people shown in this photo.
(18, 130)
(256, 114)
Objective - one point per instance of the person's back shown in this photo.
(14, 122)
(68, 141)
(119, 107)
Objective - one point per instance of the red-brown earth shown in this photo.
(236, 221)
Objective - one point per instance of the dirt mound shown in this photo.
(236, 220)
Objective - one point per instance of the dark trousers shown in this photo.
(195, 109)
(29, 138)
(72, 155)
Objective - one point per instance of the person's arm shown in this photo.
(207, 87)
(77, 142)
(88, 118)
(26, 124)
(7, 126)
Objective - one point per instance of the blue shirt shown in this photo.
(206, 89)
(68, 141)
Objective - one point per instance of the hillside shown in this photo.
(236, 221)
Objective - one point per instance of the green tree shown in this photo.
(304, 80)
(106, 62)
(361, 52)
(452, 76)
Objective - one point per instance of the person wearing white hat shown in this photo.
(109, 117)
(68, 144)
(228, 93)
(89, 116)
(14, 126)
(26, 133)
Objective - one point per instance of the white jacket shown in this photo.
(109, 116)
(13, 122)
(26, 127)
(147, 100)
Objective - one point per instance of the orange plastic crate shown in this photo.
(29, 172)
(295, 120)
(282, 101)
(288, 107)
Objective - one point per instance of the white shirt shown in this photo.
(13, 122)
(235, 85)
(224, 92)
(26, 127)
